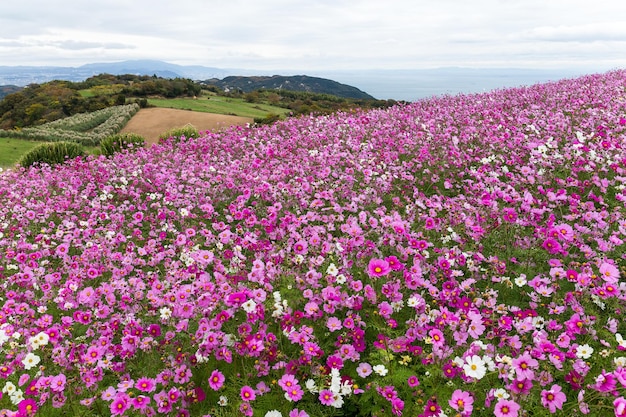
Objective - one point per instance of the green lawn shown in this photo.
(219, 105)
(11, 150)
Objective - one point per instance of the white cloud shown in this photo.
(316, 34)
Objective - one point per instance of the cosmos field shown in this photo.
(457, 256)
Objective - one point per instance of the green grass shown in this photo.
(86, 93)
(11, 150)
(219, 105)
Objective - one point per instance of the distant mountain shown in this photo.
(293, 83)
(24, 75)
(5, 90)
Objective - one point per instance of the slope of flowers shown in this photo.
(457, 256)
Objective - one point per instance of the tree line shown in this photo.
(37, 104)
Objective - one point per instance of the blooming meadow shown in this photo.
(457, 256)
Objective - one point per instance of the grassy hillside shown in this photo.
(220, 105)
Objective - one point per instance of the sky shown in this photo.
(318, 34)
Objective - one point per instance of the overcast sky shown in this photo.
(317, 34)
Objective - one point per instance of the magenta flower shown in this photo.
(619, 407)
(413, 381)
(140, 402)
(506, 408)
(378, 268)
(326, 397)
(553, 398)
(334, 361)
(551, 245)
(27, 407)
(247, 393)
(145, 384)
(216, 380)
(432, 408)
(120, 404)
(298, 413)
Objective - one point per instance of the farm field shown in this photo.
(457, 256)
(153, 122)
(219, 105)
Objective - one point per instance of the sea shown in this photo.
(413, 85)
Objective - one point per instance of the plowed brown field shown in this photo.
(151, 123)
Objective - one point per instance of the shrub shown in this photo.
(187, 131)
(267, 120)
(115, 143)
(52, 153)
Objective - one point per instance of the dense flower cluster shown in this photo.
(456, 256)
(84, 128)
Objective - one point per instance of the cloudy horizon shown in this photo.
(317, 35)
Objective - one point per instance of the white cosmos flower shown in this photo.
(30, 360)
(474, 367)
(584, 351)
(380, 370)
(249, 306)
(166, 313)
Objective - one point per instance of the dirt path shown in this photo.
(152, 122)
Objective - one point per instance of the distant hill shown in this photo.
(25, 75)
(292, 83)
(234, 79)
(5, 90)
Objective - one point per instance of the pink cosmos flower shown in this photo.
(551, 245)
(27, 407)
(437, 337)
(140, 402)
(619, 407)
(609, 273)
(145, 384)
(334, 361)
(378, 268)
(294, 393)
(298, 413)
(524, 366)
(364, 370)
(216, 380)
(120, 404)
(57, 383)
(300, 247)
(326, 397)
(247, 393)
(553, 398)
(287, 381)
(509, 215)
(413, 381)
(462, 401)
(506, 408)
